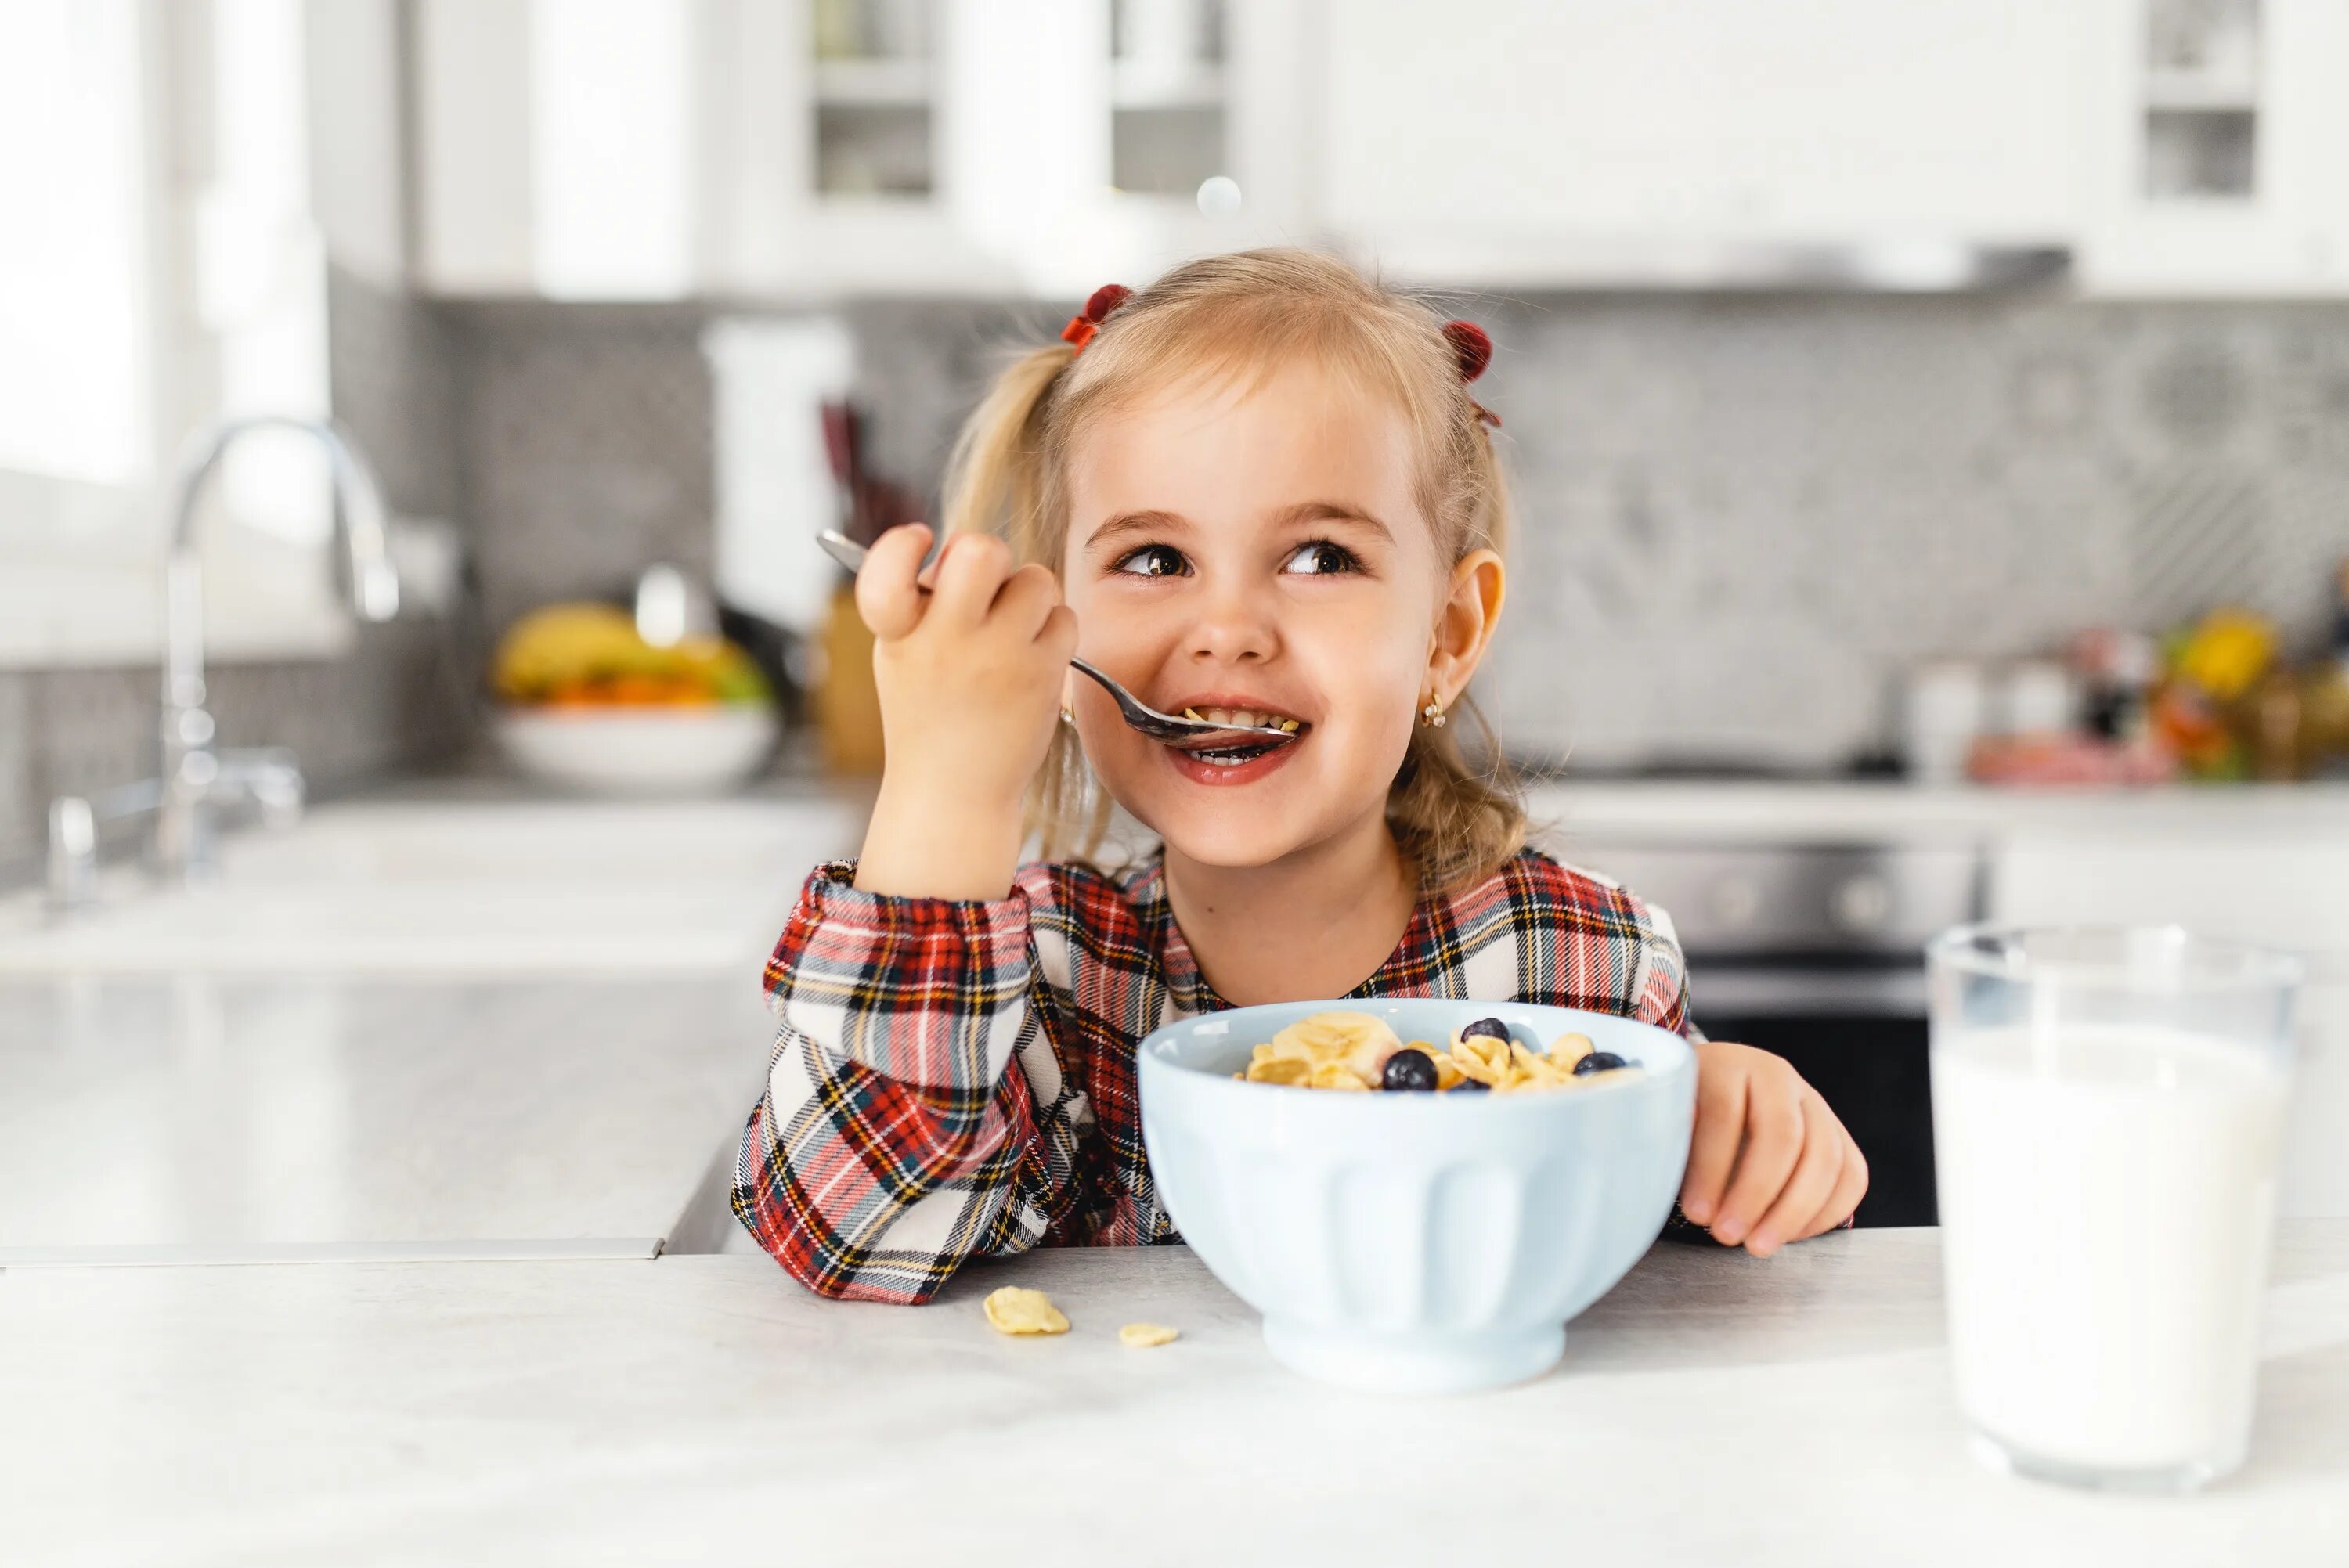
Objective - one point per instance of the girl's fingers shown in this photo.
(1026, 597)
(886, 595)
(1719, 1126)
(1774, 1138)
(970, 573)
(1058, 636)
(1851, 1186)
(1814, 1176)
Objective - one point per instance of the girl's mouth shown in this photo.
(1240, 761)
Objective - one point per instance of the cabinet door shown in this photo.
(559, 146)
(472, 146)
(2224, 178)
(1768, 119)
(1177, 147)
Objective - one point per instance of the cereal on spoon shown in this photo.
(1357, 1051)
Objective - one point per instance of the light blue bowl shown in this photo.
(1416, 1243)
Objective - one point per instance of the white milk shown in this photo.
(2106, 1239)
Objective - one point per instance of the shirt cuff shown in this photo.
(928, 990)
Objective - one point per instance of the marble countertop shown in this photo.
(203, 1118)
(1712, 1410)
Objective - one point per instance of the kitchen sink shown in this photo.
(467, 887)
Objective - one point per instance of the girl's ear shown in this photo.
(1464, 624)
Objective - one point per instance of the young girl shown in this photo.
(1260, 487)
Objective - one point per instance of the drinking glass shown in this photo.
(2108, 1110)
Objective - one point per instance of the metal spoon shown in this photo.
(1140, 715)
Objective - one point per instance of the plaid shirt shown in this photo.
(956, 1078)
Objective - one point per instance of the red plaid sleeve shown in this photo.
(1585, 942)
(895, 1137)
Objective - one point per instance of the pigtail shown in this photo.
(1458, 820)
(995, 479)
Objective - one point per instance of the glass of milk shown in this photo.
(2108, 1108)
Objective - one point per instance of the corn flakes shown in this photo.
(1278, 1069)
(1481, 1057)
(1349, 1051)
(1016, 1310)
(1144, 1336)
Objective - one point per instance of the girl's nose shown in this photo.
(1236, 623)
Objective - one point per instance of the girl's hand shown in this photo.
(1797, 1170)
(970, 676)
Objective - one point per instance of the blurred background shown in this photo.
(1929, 427)
(1876, 378)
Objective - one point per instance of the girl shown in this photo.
(1259, 486)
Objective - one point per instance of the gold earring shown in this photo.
(1431, 715)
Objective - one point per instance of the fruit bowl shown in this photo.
(650, 750)
(1415, 1242)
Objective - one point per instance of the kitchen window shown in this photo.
(163, 270)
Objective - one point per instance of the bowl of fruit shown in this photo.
(588, 704)
(1417, 1193)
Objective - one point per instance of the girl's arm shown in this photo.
(896, 1136)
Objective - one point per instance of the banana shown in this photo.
(567, 644)
(1569, 1048)
(1336, 1075)
(1357, 1039)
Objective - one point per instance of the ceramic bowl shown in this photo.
(1416, 1243)
(639, 750)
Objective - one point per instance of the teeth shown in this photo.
(1240, 718)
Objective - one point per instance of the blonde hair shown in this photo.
(1241, 317)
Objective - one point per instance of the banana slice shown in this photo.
(1361, 1040)
(1336, 1075)
(1569, 1048)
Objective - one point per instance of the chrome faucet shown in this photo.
(193, 776)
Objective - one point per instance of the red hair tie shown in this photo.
(1088, 321)
(1472, 349)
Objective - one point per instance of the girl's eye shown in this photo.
(1321, 557)
(1153, 560)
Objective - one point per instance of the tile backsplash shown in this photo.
(1742, 519)
(1739, 518)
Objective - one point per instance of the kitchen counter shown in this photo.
(1848, 810)
(1713, 1409)
(203, 1118)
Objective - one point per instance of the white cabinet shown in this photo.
(1514, 132)
(2212, 160)
(661, 149)
(776, 149)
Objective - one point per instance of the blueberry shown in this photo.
(1469, 1086)
(1599, 1062)
(1410, 1069)
(1488, 1028)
